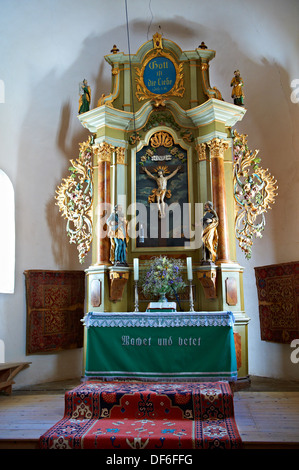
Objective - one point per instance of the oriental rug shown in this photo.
(55, 307)
(278, 296)
(143, 415)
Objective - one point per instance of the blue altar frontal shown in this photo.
(160, 346)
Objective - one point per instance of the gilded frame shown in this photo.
(135, 150)
(178, 89)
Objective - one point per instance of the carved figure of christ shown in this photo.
(161, 181)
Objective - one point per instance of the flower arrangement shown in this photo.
(163, 277)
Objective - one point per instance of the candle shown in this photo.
(141, 234)
(136, 269)
(189, 269)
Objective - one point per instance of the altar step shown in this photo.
(146, 415)
(29, 412)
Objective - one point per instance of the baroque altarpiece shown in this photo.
(161, 119)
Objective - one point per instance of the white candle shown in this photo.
(189, 269)
(136, 269)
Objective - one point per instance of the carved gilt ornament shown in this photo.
(160, 77)
(103, 152)
(75, 194)
(254, 192)
(75, 197)
(217, 147)
(201, 152)
(161, 139)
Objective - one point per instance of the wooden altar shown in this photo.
(197, 346)
(162, 117)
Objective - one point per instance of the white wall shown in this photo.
(49, 46)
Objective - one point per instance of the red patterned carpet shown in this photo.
(278, 295)
(55, 307)
(137, 415)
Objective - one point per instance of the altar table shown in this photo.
(163, 346)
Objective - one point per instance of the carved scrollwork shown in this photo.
(75, 198)
(254, 192)
(210, 92)
(108, 99)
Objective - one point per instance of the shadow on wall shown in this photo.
(271, 122)
(99, 84)
(51, 134)
(65, 254)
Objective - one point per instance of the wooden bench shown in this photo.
(8, 370)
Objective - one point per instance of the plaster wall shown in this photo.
(48, 47)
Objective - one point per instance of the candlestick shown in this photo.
(136, 298)
(136, 269)
(191, 297)
(189, 269)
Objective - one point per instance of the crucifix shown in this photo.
(159, 193)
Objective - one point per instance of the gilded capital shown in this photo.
(103, 152)
(217, 147)
(120, 155)
(201, 152)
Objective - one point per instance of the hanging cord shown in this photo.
(131, 80)
(149, 26)
(130, 64)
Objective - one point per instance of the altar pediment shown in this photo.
(216, 110)
(106, 117)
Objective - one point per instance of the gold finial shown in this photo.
(157, 38)
(114, 49)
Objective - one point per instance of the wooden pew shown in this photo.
(8, 370)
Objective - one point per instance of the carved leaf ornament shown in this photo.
(254, 192)
(75, 198)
